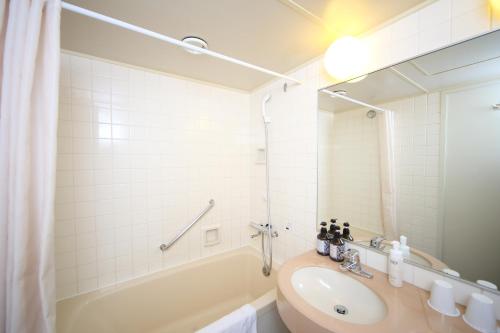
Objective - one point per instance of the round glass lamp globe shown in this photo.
(495, 6)
(346, 58)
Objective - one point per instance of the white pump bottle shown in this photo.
(404, 246)
(396, 265)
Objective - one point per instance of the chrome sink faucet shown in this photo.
(352, 264)
(376, 242)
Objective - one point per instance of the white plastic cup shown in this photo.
(480, 314)
(451, 272)
(487, 284)
(442, 299)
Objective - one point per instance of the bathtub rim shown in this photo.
(79, 301)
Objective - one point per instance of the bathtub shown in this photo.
(181, 299)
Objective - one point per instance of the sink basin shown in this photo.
(338, 295)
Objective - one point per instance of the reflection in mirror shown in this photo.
(414, 150)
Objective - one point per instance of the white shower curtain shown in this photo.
(387, 174)
(29, 42)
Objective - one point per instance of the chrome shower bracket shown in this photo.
(262, 230)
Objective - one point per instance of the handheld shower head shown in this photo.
(265, 117)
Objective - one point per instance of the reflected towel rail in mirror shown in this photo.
(165, 247)
(352, 100)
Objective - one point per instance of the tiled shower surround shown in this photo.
(417, 125)
(355, 172)
(169, 144)
(139, 155)
(354, 177)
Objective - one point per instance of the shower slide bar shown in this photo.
(164, 38)
(352, 100)
(165, 247)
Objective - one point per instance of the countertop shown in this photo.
(408, 311)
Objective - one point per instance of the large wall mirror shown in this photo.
(414, 150)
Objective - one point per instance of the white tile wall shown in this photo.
(434, 26)
(417, 134)
(408, 273)
(355, 183)
(362, 252)
(468, 18)
(423, 278)
(325, 165)
(293, 159)
(495, 18)
(376, 260)
(139, 155)
(461, 290)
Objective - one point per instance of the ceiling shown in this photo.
(275, 34)
(470, 62)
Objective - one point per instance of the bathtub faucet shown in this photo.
(274, 234)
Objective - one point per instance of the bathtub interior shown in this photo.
(177, 300)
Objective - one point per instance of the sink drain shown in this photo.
(340, 309)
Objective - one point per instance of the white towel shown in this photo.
(242, 320)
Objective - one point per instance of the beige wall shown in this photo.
(472, 188)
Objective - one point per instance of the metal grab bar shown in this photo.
(165, 247)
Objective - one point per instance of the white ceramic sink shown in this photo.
(331, 292)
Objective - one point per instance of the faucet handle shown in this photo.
(376, 241)
(353, 264)
(351, 255)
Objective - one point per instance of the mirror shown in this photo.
(414, 150)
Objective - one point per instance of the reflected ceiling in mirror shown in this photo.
(428, 167)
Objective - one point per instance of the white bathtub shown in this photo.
(178, 300)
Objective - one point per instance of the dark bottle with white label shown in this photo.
(333, 222)
(322, 242)
(337, 228)
(337, 247)
(346, 233)
(331, 232)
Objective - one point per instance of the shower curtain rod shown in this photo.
(353, 100)
(143, 31)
